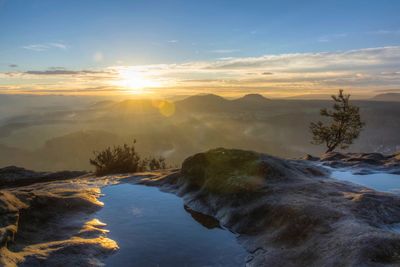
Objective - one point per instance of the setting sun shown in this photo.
(135, 81)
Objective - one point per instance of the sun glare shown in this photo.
(135, 82)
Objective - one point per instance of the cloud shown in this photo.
(224, 51)
(45, 46)
(13, 65)
(98, 56)
(306, 62)
(58, 45)
(32, 89)
(385, 32)
(362, 70)
(36, 47)
(52, 72)
(62, 72)
(331, 37)
(172, 41)
(56, 68)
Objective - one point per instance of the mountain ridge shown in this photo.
(391, 97)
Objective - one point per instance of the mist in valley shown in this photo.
(50, 133)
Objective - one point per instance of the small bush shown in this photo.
(123, 159)
(157, 163)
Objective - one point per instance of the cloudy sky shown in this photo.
(277, 48)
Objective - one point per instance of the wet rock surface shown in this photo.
(51, 224)
(287, 212)
(362, 163)
(13, 176)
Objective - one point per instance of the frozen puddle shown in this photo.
(152, 228)
(378, 181)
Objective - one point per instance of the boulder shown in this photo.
(231, 171)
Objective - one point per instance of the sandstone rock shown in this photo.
(363, 163)
(46, 224)
(233, 171)
(289, 212)
(310, 157)
(16, 176)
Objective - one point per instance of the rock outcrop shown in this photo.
(17, 176)
(286, 212)
(51, 224)
(362, 163)
(289, 212)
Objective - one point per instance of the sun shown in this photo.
(134, 81)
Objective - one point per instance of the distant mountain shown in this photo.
(387, 97)
(252, 99)
(310, 97)
(208, 102)
(135, 106)
(211, 102)
(210, 98)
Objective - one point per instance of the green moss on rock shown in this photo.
(225, 171)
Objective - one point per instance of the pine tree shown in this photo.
(346, 124)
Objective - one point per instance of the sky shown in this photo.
(137, 47)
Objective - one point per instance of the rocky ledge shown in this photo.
(286, 212)
(289, 212)
(16, 176)
(52, 223)
(361, 163)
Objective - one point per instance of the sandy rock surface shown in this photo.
(12, 176)
(287, 212)
(362, 163)
(52, 224)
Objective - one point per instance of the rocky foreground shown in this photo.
(287, 212)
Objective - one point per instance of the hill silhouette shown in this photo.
(57, 139)
(252, 99)
(387, 97)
